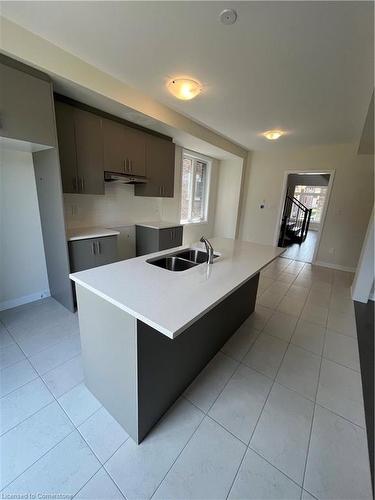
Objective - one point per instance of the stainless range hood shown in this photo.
(123, 178)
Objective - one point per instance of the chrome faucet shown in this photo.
(209, 249)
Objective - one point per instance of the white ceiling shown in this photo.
(306, 67)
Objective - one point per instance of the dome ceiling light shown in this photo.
(184, 88)
(273, 135)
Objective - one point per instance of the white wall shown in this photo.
(349, 207)
(171, 207)
(23, 273)
(228, 195)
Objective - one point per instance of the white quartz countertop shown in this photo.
(171, 301)
(84, 233)
(159, 224)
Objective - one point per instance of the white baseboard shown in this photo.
(334, 266)
(9, 304)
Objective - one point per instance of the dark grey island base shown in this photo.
(136, 372)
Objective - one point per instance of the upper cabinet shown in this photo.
(113, 146)
(124, 148)
(135, 147)
(81, 150)
(26, 105)
(90, 144)
(67, 146)
(160, 157)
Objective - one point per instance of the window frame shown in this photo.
(320, 212)
(203, 159)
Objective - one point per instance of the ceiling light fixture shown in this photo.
(184, 88)
(272, 135)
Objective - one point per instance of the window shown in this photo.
(194, 191)
(312, 197)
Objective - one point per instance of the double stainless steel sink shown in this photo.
(182, 260)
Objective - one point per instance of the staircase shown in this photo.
(295, 222)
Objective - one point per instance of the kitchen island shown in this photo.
(147, 332)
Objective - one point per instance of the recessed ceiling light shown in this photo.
(272, 135)
(184, 88)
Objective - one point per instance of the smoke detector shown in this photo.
(228, 16)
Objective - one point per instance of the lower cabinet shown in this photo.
(93, 252)
(170, 237)
(149, 240)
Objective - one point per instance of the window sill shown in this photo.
(192, 223)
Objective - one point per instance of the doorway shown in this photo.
(302, 214)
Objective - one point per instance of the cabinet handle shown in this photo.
(124, 165)
(98, 247)
(93, 248)
(131, 165)
(82, 183)
(75, 184)
(159, 190)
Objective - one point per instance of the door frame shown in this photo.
(331, 174)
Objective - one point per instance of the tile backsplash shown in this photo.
(118, 207)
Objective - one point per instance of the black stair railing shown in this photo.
(295, 221)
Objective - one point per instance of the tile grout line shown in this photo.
(75, 428)
(261, 412)
(74, 496)
(275, 382)
(274, 466)
(31, 465)
(316, 395)
(16, 340)
(101, 463)
(205, 415)
(27, 357)
(187, 442)
(340, 416)
(57, 366)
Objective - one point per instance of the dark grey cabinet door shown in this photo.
(166, 155)
(67, 146)
(170, 237)
(177, 236)
(106, 250)
(26, 107)
(113, 146)
(89, 142)
(82, 255)
(159, 169)
(135, 151)
(92, 252)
